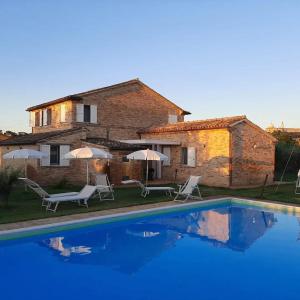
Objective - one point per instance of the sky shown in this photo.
(214, 58)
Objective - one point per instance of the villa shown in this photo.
(124, 117)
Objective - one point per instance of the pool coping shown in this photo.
(135, 213)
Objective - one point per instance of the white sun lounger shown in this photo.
(147, 189)
(41, 192)
(105, 189)
(186, 190)
(81, 198)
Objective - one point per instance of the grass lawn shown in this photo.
(25, 205)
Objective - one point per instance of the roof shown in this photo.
(112, 144)
(3, 137)
(34, 138)
(218, 123)
(78, 96)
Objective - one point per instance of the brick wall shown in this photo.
(122, 111)
(212, 155)
(75, 173)
(253, 156)
(56, 123)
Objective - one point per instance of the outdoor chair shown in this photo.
(186, 190)
(81, 198)
(41, 192)
(147, 189)
(104, 188)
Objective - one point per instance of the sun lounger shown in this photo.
(41, 192)
(186, 190)
(147, 189)
(81, 198)
(104, 188)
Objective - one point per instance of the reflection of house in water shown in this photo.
(128, 247)
(234, 227)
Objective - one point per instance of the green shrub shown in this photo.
(63, 183)
(282, 154)
(8, 177)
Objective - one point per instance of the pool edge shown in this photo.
(89, 221)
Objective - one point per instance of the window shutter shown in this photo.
(32, 119)
(63, 113)
(172, 119)
(41, 118)
(79, 112)
(46, 160)
(167, 151)
(45, 116)
(94, 114)
(191, 157)
(64, 149)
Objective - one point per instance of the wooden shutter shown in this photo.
(94, 114)
(46, 160)
(64, 149)
(191, 157)
(45, 116)
(172, 119)
(167, 151)
(32, 119)
(63, 113)
(41, 118)
(79, 112)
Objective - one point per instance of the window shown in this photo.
(49, 116)
(184, 156)
(87, 113)
(54, 155)
(37, 118)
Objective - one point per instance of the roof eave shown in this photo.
(60, 100)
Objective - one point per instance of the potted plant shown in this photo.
(8, 177)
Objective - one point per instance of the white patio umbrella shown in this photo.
(25, 154)
(147, 155)
(87, 153)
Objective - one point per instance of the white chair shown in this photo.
(104, 188)
(147, 189)
(186, 190)
(41, 192)
(297, 192)
(81, 198)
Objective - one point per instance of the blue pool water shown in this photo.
(225, 251)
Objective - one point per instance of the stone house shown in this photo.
(227, 152)
(129, 116)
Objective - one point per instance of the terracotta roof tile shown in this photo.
(112, 144)
(218, 123)
(33, 138)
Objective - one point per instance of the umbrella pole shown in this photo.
(147, 171)
(87, 171)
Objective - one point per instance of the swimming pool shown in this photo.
(225, 250)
